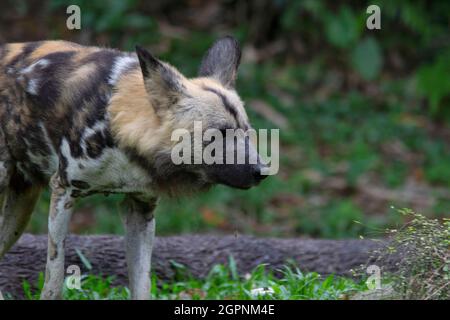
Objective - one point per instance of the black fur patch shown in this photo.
(147, 61)
(21, 58)
(80, 184)
(63, 170)
(226, 103)
(49, 79)
(168, 178)
(95, 145)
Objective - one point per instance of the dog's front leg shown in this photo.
(58, 223)
(140, 232)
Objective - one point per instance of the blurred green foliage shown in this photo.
(434, 83)
(367, 111)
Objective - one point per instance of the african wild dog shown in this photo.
(93, 120)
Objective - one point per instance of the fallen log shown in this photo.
(197, 253)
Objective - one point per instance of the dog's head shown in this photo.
(210, 104)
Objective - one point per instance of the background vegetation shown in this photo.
(363, 114)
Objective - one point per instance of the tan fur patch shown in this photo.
(83, 52)
(54, 46)
(14, 49)
(82, 72)
(133, 119)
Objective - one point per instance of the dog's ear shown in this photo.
(163, 83)
(221, 61)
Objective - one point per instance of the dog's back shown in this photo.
(52, 90)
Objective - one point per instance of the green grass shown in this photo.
(221, 283)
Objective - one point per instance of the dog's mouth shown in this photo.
(235, 186)
(239, 179)
(239, 185)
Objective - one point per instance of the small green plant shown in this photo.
(421, 248)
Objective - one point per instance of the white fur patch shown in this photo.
(120, 65)
(42, 63)
(111, 171)
(33, 86)
(3, 174)
(33, 83)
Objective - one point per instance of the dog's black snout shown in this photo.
(258, 174)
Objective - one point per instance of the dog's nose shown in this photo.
(258, 174)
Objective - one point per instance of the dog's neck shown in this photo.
(134, 123)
